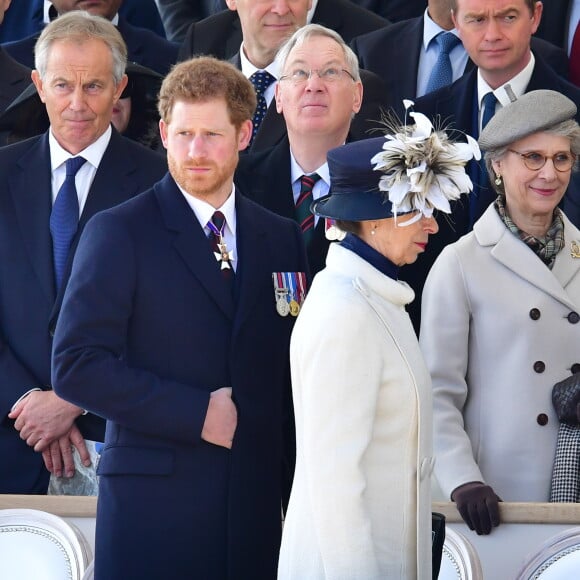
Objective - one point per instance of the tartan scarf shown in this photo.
(547, 247)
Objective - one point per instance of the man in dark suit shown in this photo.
(257, 55)
(221, 34)
(559, 22)
(185, 350)
(416, 39)
(14, 77)
(144, 47)
(33, 270)
(318, 116)
(507, 68)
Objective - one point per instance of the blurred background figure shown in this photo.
(500, 317)
(144, 47)
(178, 15)
(13, 76)
(27, 17)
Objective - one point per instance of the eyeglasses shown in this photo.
(326, 75)
(534, 161)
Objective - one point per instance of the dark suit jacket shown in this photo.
(14, 78)
(25, 18)
(555, 22)
(273, 127)
(394, 10)
(178, 15)
(255, 175)
(455, 103)
(406, 38)
(144, 47)
(29, 304)
(220, 35)
(149, 329)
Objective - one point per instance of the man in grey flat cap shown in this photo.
(506, 68)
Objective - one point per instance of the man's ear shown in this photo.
(231, 4)
(35, 76)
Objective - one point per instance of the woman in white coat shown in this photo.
(360, 505)
(500, 323)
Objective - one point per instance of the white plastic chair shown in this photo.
(40, 546)
(557, 559)
(460, 560)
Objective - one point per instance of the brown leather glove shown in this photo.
(478, 505)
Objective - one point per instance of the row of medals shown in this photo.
(285, 307)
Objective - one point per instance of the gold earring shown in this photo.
(498, 179)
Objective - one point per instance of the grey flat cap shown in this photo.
(532, 112)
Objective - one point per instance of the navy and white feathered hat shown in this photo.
(420, 170)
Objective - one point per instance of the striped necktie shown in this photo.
(304, 216)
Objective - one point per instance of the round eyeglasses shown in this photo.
(327, 75)
(534, 161)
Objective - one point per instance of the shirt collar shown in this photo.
(296, 172)
(431, 29)
(93, 153)
(204, 211)
(46, 15)
(311, 11)
(248, 69)
(517, 84)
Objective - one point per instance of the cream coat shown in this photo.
(360, 504)
(494, 361)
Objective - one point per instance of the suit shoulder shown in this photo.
(11, 153)
(267, 217)
(359, 16)
(377, 39)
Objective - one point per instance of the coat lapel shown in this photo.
(253, 253)
(30, 187)
(516, 256)
(191, 243)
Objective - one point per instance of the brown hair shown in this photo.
(531, 4)
(349, 227)
(204, 78)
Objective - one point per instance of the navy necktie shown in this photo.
(64, 218)
(261, 81)
(489, 103)
(304, 216)
(442, 73)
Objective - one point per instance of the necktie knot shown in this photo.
(447, 41)
(261, 80)
(442, 72)
(73, 164)
(304, 216)
(218, 220)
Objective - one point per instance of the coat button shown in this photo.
(573, 318)
(539, 366)
(535, 313)
(542, 419)
(575, 368)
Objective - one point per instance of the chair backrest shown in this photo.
(40, 546)
(557, 559)
(460, 560)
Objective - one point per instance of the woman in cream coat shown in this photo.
(360, 505)
(500, 323)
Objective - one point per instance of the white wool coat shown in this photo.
(360, 506)
(498, 330)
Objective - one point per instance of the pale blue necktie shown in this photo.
(261, 81)
(64, 218)
(442, 73)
